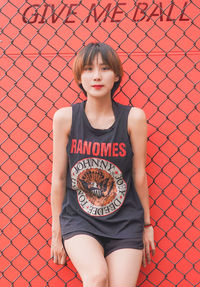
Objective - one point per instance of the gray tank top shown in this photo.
(100, 194)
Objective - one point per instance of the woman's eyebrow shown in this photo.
(103, 64)
(99, 63)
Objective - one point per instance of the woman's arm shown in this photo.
(61, 129)
(137, 128)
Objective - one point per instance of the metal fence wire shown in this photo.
(158, 43)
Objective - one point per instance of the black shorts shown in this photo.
(111, 244)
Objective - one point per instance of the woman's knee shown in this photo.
(97, 277)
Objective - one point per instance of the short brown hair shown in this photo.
(86, 57)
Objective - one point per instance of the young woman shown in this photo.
(100, 205)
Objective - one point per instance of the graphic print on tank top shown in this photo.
(100, 186)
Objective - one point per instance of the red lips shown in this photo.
(97, 86)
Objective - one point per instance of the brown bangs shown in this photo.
(86, 57)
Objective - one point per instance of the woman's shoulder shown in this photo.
(137, 114)
(133, 111)
(63, 114)
(136, 119)
(63, 117)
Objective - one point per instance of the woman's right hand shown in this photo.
(58, 253)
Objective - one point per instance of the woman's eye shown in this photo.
(105, 68)
(87, 68)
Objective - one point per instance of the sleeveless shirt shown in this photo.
(100, 195)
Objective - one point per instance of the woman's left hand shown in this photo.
(148, 239)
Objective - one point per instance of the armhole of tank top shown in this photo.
(128, 112)
(128, 136)
(73, 119)
(71, 129)
(124, 111)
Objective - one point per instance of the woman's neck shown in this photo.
(98, 106)
(100, 112)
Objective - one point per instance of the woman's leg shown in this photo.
(123, 267)
(87, 255)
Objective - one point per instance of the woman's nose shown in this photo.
(96, 74)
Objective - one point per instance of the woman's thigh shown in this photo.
(124, 267)
(87, 255)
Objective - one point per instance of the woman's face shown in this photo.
(98, 79)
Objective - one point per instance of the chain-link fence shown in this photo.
(158, 43)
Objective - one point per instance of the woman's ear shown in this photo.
(79, 82)
(116, 78)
